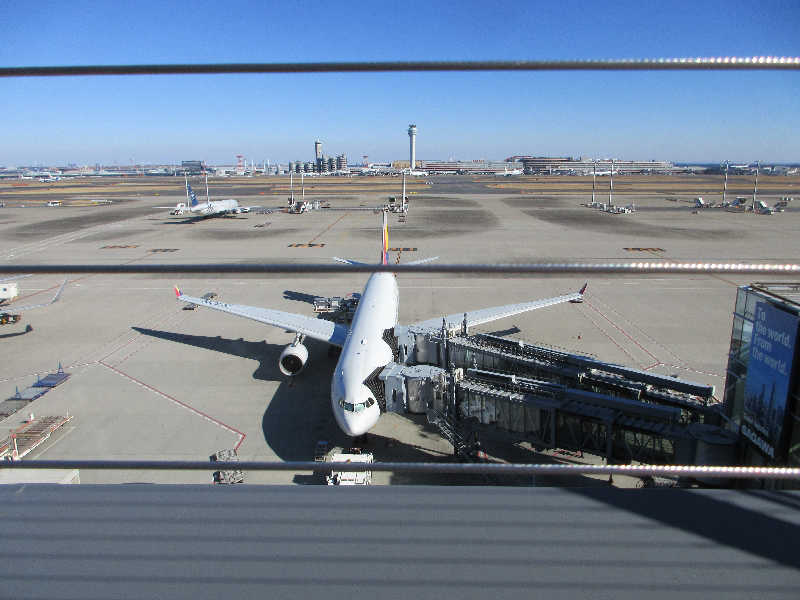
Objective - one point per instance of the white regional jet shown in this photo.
(365, 351)
(209, 208)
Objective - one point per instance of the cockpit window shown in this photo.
(358, 407)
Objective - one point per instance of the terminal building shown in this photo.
(762, 399)
(474, 167)
(192, 167)
(533, 165)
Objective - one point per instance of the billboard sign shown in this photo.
(769, 373)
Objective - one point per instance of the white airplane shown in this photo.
(365, 351)
(508, 173)
(209, 208)
(762, 208)
(700, 203)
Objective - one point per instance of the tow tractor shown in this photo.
(8, 318)
(337, 308)
(354, 455)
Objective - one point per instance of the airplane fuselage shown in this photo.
(355, 407)
(216, 207)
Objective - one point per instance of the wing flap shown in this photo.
(318, 329)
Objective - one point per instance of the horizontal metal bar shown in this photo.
(643, 267)
(456, 468)
(716, 63)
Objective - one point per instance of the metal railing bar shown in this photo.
(624, 267)
(731, 472)
(713, 63)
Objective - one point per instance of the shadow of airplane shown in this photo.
(299, 296)
(267, 354)
(504, 332)
(298, 414)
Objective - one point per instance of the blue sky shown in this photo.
(700, 116)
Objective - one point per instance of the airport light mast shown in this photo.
(725, 185)
(594, 176)
(611, 184)
(755, 186)
(412, 146)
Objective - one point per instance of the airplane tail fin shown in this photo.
(190, 195)
(385, 247)
(582, 291)
(178, 293)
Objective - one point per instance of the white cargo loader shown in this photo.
(350, 477)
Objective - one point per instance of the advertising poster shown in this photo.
(769, 375)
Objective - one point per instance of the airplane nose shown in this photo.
(356, 424)
(356, 418)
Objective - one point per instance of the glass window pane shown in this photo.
(750, 306)
(794, 442)
(740, 298)
(737, 329)
(747, 336)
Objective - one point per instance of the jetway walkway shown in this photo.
(486, 387)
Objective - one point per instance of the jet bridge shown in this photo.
(484, 386)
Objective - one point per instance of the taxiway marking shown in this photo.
(328, 228)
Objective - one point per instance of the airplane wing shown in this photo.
(318, 329)
(348, 261)
(15, 277)
(422, 261)
(486, 315)
(15, 308)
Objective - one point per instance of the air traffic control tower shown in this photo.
(412, 146)
(762, 389)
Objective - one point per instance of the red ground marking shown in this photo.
(622, 331)
(199, 413)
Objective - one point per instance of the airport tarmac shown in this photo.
(153, 381)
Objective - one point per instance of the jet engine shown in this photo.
(293, 359)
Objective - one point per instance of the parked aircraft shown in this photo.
(508, 173)
(740, 204)
(700, 203)
(209, 208)
(365, 351)
(762, 208)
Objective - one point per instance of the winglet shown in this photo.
(177, 292)
(583, 289)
